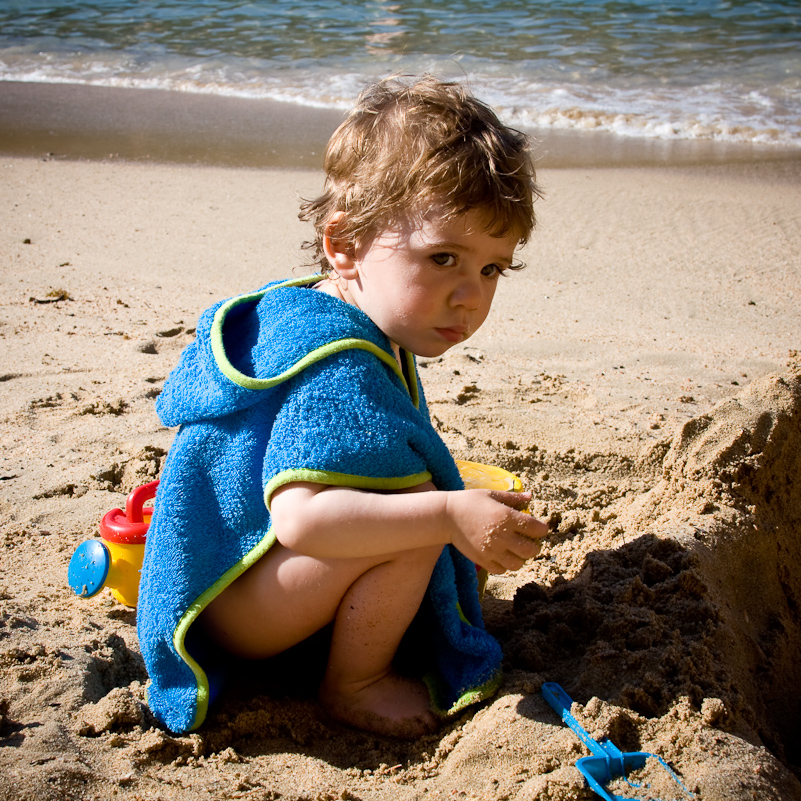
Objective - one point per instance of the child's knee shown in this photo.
(421, 560)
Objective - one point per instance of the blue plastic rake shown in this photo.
(608, 761)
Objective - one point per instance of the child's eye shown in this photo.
(444, 259)
(492, 269)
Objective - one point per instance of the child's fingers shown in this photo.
(497, 568)
(517, 500)
(507, 562)
(520, 546)
(525, 524)
(509, 552)
(525, 547)
(531, 528)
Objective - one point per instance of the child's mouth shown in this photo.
(455, 334)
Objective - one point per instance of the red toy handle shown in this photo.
(129, 526)
(137, 499)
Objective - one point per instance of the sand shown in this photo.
(641, 376)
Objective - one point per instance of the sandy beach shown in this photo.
(641, 376)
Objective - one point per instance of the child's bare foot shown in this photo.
(389, 705)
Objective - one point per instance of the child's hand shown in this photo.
(490, 530)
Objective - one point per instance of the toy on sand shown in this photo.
(115, 560)
(608, 762)
(484, 476)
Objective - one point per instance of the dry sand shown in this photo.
(641, 376)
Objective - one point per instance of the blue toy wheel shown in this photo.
(88, 568)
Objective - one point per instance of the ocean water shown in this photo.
(669, 69)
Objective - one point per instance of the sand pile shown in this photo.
(688, 593)
(731, 493)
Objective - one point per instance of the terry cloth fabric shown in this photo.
(289, 384)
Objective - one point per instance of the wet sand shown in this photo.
(96, 122)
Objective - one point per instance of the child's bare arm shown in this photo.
(325, 521)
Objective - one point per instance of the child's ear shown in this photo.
(338, 249)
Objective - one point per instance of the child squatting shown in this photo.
(306, 488)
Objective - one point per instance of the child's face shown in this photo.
(429, 286)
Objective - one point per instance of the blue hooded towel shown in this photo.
(290, 384)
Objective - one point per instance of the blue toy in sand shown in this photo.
(607, 762)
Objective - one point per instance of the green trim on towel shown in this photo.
(342, 480)
(468, 698)
(412, 385)
(486, 690)
(461, 614)
(194, 609)
(316, 355)
(216, 332)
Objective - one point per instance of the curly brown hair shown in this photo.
(412, 145)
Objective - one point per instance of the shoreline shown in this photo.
(82, 122)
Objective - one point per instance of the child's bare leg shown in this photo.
(286, 597)
(360, 686)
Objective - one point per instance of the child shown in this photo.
(306, 485)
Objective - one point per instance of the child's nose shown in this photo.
(467, 292)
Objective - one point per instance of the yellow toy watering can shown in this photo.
(115, 560)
